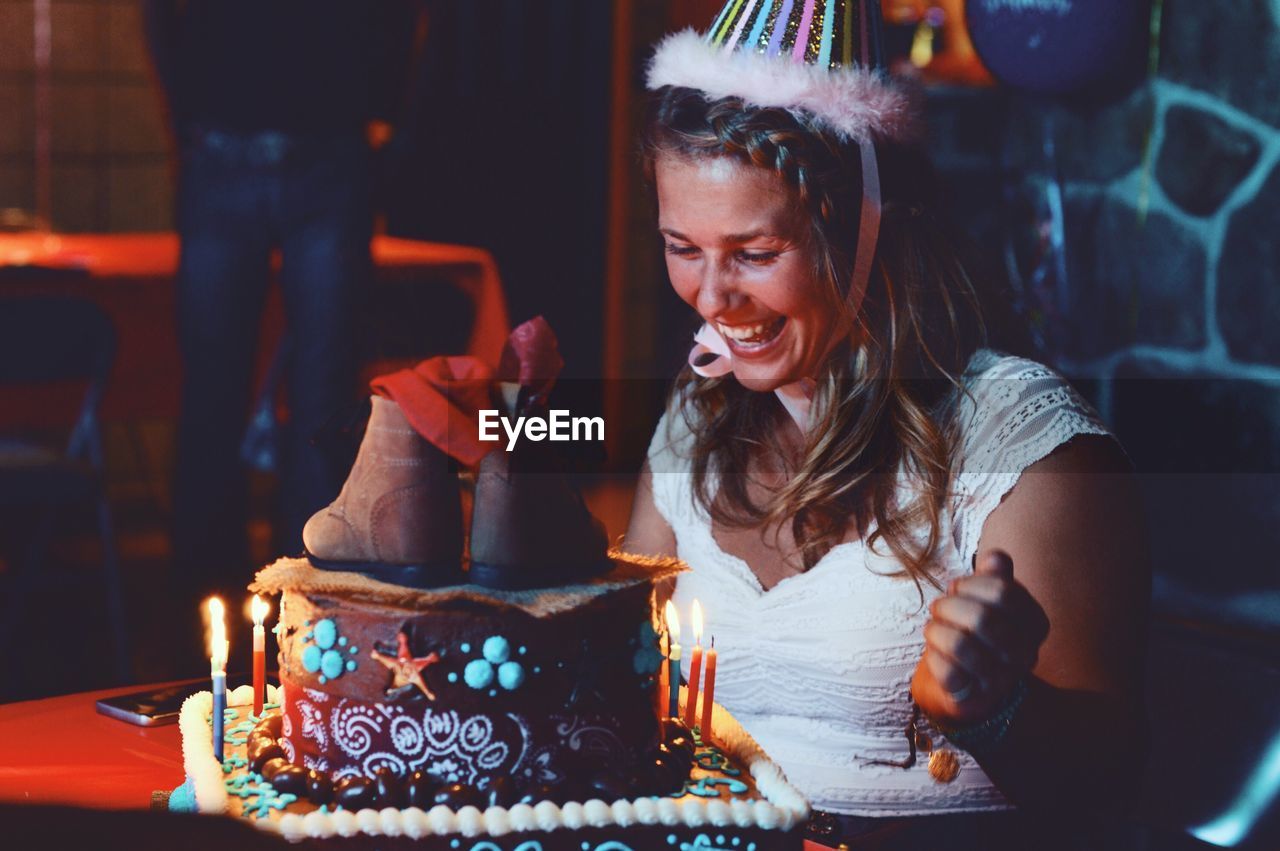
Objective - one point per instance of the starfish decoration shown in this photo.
(406, 671)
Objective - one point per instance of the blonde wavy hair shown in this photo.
(885, 397)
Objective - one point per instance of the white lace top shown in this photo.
(818, 668)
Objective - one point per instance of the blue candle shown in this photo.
(218, 649)
(673, 669)
(219, 710)
(673, 660)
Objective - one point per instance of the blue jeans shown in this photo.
(239, 197)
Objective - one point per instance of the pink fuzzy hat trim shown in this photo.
(856, 103)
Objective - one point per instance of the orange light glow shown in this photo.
(673, 621)
(260, 608)
(218, 644)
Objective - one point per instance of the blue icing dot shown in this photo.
(351, 664)
(453, 676)
(478, 673)
(524, 650)
(537, 670)
(586, 846)
(671, 839)
(493, 692)
(307, 622)
(465, 647)
(497, 649)
(311, 659)
(453, 843)
(342, 639)
(183, 799)
(720, 839)
(510, 675)
(323, 679)
(331, 664)
(354, 649)
(326, 633)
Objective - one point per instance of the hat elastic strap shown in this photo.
(868, 221)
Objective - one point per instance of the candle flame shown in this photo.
(218, 645)
(260, 609)
(673, 621)
(697, 622)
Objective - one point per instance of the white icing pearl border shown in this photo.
(782, 808)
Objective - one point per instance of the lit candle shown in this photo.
(709, 691)
(695, 668)
(664, 685)
(673, 660)
(259, 610)
(218, 647)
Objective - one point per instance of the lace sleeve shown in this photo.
(1016, 412)
(669, 465)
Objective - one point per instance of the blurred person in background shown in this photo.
(276, 111)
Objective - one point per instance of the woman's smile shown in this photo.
(752, 340)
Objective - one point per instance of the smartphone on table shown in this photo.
(156, 706)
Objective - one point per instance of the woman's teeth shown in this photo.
(753, 335)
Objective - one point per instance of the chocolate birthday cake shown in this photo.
(479, 719)
(503, 702)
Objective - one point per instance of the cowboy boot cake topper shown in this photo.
(398, 518)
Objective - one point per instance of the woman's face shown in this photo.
(739, 252)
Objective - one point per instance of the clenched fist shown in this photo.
(982, 637)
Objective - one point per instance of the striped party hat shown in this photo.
(817, 57)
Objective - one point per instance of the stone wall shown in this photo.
(109, 161)
(1168, 314)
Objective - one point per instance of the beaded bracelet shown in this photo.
(984, 736)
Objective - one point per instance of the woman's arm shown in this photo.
(648, 532)
(1060, 597)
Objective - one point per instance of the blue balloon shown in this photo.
(1057, 46)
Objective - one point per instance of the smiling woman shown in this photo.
(892, 526)
(761, 215)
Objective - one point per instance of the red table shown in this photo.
(131, 277)
(61, 751)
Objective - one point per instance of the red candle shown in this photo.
(259, 611)
(709, 691)
(695, 668)
(660, 699)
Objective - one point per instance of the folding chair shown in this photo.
(51, 340)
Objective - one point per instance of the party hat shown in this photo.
(817, 57)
